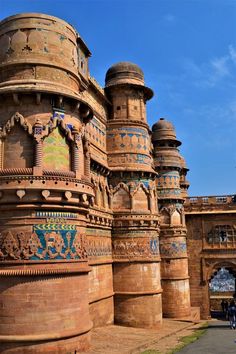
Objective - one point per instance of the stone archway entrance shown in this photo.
(221, 290)
(211, 269)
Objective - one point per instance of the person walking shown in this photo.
(223, 305)
(232, 314)
(226, 309)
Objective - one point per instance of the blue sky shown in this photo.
(187, 50)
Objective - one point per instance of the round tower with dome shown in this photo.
(135, 234)
(173, 248)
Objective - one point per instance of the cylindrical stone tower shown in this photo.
(135, 236)
(45, 188)
(174, 259)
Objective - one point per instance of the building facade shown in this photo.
(211, 243)
(92, 226)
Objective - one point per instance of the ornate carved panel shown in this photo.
(135, 248)
(46, 242)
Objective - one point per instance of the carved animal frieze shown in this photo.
(99, 247)
(135, 248)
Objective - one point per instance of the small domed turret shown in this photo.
(124, 73)
(183, 163)
(164, 130)
(128, 142)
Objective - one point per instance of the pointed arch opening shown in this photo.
(121, 199)
(140, 199)
(18, 145)
(56, 151)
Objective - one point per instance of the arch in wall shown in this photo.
(164, 216)
(140, 198)
(209, 268)
(17, 148)
(57, 147)
(121, 197)
(176, 219)
(214, 266)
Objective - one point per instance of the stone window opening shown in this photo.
(224, 235)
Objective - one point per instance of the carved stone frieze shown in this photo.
(174, 248)
(132, 248)
(46, 242)
(99, 247)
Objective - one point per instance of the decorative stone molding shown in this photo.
(16, 118)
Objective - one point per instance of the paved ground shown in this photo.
(125, 340)
(219, 339)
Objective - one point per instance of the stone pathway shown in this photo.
(219, 339)
(126, 340)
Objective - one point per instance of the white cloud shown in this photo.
(220, 66)
(212, 72)
(232, 53)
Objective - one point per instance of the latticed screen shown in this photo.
(222, 234)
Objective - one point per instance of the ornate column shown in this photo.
(38, 134)
(86, 158)
(77, 146)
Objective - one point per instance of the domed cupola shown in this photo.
(126, 73)
(163, 131)
(128, 139)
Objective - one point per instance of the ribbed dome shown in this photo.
(164, 130)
